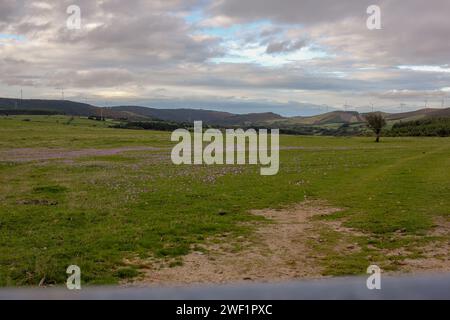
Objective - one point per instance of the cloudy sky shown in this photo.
(293, 57)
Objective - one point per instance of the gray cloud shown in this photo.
(134, 47)
(414, 31)
(285, 46)
(291, 11)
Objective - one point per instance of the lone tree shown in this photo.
(376, 122)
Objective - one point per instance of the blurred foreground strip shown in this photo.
(399, 287)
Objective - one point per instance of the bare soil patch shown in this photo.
(38, 202)
(280, 251)
(277, 251)
(436, 254)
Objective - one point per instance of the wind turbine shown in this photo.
(62, 92)
(21, 98)
(345, 106)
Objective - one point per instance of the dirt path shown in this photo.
(38, 154)
(278, 251)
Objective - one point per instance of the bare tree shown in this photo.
(376, 122)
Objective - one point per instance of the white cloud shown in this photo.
(426, 68)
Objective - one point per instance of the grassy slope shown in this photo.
(111, 207)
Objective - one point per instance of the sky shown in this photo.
(291, 57)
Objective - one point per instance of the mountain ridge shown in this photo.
(140, 113)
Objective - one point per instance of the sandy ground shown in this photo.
(277, 251)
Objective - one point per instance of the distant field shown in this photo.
(65, 202)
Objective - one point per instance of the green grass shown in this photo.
(55, 132)
(96, 211)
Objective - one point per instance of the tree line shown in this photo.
(430, 127)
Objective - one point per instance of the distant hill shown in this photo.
(251, 118)
(336, 121)
(61, 106)
(419, 114)
(327, 118)
(177, 115)
(65, 107)
(412, 115)
(134, 113)
(207, 116)
(354, 117)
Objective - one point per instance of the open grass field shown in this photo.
(73, 191)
